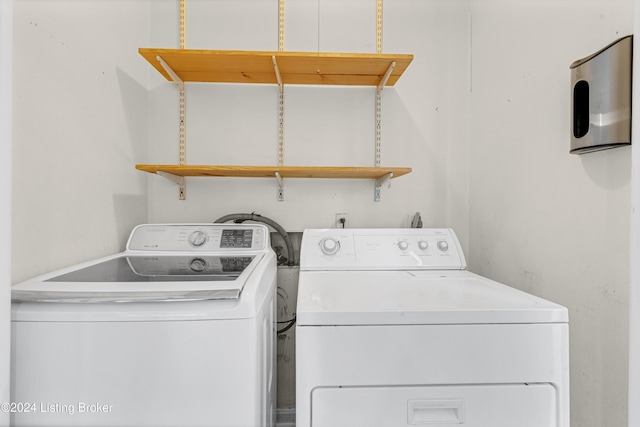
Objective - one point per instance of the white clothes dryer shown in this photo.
(393, 331)
(177, 330)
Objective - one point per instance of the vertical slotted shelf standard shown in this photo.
(281, 68)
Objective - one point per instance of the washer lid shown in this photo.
(150, 277)
(416, 298)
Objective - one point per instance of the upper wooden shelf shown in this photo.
(305, 68)
(284, 171)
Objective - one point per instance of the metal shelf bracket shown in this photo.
(183, 127)
(280, 128)
(176, 79)
(280, 187)
(378, 131)
(385, 78)
(178, 180)
(381, 182)
(277, 71)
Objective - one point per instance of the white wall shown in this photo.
(541, 219)
(5, 199)
(423, 115)
(80, 125)
(634, 291)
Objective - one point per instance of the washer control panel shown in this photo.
(381, 249)
(199, 237)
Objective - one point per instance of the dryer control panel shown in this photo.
(199, 237)
(381, 249)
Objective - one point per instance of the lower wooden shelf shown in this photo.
(270, 171)
(178, 173)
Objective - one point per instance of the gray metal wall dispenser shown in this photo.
(601, 98)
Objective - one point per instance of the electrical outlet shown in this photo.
(342, 220)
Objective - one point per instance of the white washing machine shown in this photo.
(393, 331)
(178, 330)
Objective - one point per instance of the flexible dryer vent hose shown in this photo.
(241, 217)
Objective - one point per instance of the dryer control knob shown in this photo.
(402, 244)
(329, 246)
(423, 245)
(197, 238)
(443, 246)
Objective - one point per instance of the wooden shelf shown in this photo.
(309, 68)
(281, 68)
(270, 171)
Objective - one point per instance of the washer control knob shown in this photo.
(197, 238)
(329, 246)
(443, 246)
(403, 245)
(198, 265)
(423, 245)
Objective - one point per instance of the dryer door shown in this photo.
(436, 406)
